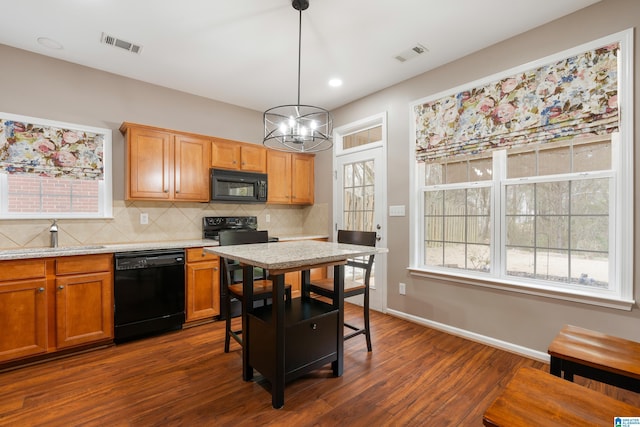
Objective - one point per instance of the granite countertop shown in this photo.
(293, 255)
(45, 252)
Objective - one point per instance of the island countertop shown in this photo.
(291, 255)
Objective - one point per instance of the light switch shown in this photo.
(396, 210)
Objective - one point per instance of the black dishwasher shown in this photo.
(149, 293)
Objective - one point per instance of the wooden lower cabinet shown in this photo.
(23, 309)
(203, 285)
(84, 309)
(53, 304)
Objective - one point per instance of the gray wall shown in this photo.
(523, 320)
(39, 86)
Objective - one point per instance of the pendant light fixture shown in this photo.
(298, 128)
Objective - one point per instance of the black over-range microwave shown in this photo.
(238, 186)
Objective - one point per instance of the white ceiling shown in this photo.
(246, 52)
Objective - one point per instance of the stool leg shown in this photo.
(227, 328)
(367, 327)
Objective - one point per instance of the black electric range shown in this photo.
(211, 226)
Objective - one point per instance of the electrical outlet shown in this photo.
(144, 218)
(267, 218)
(402, 288)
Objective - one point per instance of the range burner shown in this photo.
(211, 225)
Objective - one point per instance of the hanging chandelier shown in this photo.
(298, 128)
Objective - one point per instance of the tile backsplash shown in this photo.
(167, 221)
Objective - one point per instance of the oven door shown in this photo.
(238, 187)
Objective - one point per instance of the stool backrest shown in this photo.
(231, 271)
(352, 237)
(363, 238)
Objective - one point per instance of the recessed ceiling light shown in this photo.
(49, 43)
(335, 82)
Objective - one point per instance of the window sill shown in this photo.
(510, 286)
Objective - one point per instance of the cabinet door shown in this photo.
(84, 309)
(225, 154)
(302, 180)
(191, 168)
(294, 279)
(149, 165)
(23, 318)
(203, 290)
(279, 179)
(253, 158)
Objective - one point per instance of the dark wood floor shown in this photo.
(415, 376)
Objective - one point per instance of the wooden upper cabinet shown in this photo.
(191, 168)
(227, 154)
(291, 178)
(165, 165)
(302, 180)
(279, 177)
(149, 165)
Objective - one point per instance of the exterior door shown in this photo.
(360, 199)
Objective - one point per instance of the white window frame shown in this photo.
(105, 195)
(621, 240)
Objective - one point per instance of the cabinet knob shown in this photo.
(314, 326)
(40, 289)
(60, 287)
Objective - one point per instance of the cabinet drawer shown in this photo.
(22, 269)
(311, 340)
(198, 254)
(84, 264)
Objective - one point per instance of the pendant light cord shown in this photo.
(299, 52)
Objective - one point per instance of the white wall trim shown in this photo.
(483, 339)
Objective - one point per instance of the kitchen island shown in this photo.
(291, 338)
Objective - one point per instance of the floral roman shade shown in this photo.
(27, 148)
(574, 96)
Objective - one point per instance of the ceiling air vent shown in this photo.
(411, 53)
(116, 42)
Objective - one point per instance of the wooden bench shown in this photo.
(536, 398)
(597, 356)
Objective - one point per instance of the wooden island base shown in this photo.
(536, 398)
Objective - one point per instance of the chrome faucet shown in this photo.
(53, 230)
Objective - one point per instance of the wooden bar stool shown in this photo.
(325, 287)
